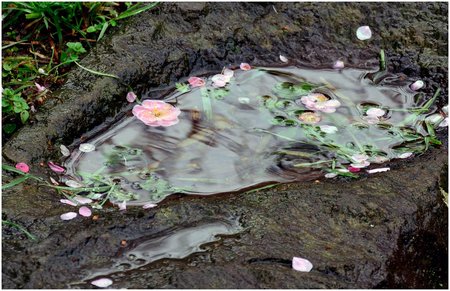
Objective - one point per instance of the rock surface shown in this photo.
(388, 230)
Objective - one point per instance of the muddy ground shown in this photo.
(388, 230)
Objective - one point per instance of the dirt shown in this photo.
(387, 230)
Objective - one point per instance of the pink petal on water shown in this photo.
(196, 82)
(149, 205)
(363, 33)
(68, 202)
(301, 265)
(245, 67)
(86, 147)
(23, 167)
(228, 73)
(405, 155)
(219, 83)
(378, 170)
(56, 168)
(353, 169)
(131, 97)
(123, 205)
(82, 200)
(68, 216)
(84, 211)
(338, 65)
(332, 103)
(102, 282)
(375, 112)
(283, 59)
(417, 85)
(371, 119)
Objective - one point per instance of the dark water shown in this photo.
(252, 137)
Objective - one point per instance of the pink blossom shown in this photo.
(338, 65)
(131, 97)
(84, 211)
(301, 265)
(40, 88)
(196, 82)
(56, 168)
(245, 67)
(318, 101)
(23, 167)
(353, 169)
(220, 80)
(156, 113)
(228, 73)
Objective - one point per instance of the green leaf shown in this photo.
(24, 115)
(9, 128)
(135, 10)
(21, 228)
(76, 47)
(182, 88)
(290, 91)
(102, 32)
(91, 29)
(15, 182)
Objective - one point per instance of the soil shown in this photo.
(387, 230)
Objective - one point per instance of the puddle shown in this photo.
(175, 243)
(255, 131)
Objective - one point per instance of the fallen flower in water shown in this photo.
(56, 168)
(220, 80)
(87, 147)
(378, 170)
(375, 112)
(417, 85)
(283, 59)
(149, 205)
(68, 216)
(84, 211)
(196, 82)
(363, 33)
(338, 65)
(102, 282)
(131, 97)
(40, 88)
(64, 150)
(301, 265)
(23, 167)
(309, 117)
(245, 67)
(328, 128)
(68, 202)
(156, 113)
(320, 102)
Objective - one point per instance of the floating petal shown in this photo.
(196, 82)
(245, 67)
(301, 265)
(64, 150)
(363, 33)
(56, 168)
(338, 65)
(68, 216)
(309, 117)
(244, 100)
(378, 170)
(375, 112)
(84, 211)
(444, 123)
(354, 169)
(228, 73)
(87, 147)
(359, 158)
(102, 282)
(23, 167)
(362, 164)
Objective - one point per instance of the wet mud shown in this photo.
(387, 230)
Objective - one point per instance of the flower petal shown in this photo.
(56, 168)
(84, 211)
(378, 170)
(417, 85)
(330, 175)
(338, 65)
(73, 184)
(86, 147)
(68, 202)
(444, 123)
(244, 100)
(328, 129)
(149, 205)
(68, 216)
(82, 200)
(131, 97)
(245, 67)
(283, 59)
(375, 112)
(196, 82)
(363, 33)
(405, 155)
(102, 282)
(228, 73)
(23, 167)
(64, 150)
(301, 265)
(123, 205)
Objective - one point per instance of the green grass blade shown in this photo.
(12, 169)
(95, 72)
(207, 107)
(102, 32)
(15, 182)
(135, 10)
(21, 228)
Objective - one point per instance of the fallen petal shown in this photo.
(301, 265)
(378, 170)
(362, 164)
(74, 184)
(102, 282)
(84, 211)
(228, 73)
(149, 205)
(445, 109)
(405, 155)
(375, 112)
(87, 147)
(123, 205)
(39, 87)
(338, 65)
(23, 167)
(196, 82)
(245, 67)
(68, 202)
(55, 168)
(131, 97)
(82, 200)
(328, 129)
(444, 123)
(330, 175)
(54, 182)
(283, 59)
(354, 169)
(358, 158)
(244, 100)
(64, 150)
(363, 33)
(68, 216)
(417, 85)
